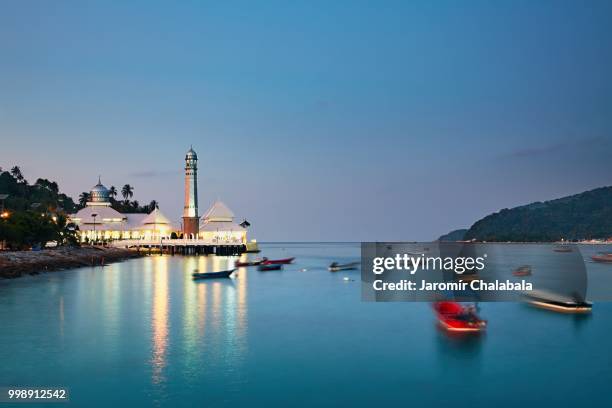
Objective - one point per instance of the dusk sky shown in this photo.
(331, 120)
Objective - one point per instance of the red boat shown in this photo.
(278, 261)
(255, 262)
(602, 257)
(524, 270)
(455, 317)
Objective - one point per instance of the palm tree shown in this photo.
(127, 192)
(16, 172)
(83, 198)
(153, 205)
(112, 192)
(65, 231)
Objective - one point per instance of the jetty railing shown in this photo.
(184, 246)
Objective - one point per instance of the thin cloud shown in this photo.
(154, 173)
(539, 151)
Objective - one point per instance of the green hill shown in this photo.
(586, 215)
(456, 235)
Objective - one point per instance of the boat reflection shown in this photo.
(580, 321)
(464, 349)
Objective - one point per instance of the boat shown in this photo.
(454, 317)
(524, 270)
(602, 257)
(562, 248)
(278, 261)
(212, 275)
(255, 262)
(335, 266)
(269, 267)
(466, 276)
(556, 302)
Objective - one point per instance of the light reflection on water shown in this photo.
(159, 320)
(214, 310)
(143, 333)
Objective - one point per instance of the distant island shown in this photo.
(456, 235)
(583, 216)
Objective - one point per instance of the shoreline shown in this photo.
(14, 264)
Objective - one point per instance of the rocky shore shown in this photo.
(19, 263)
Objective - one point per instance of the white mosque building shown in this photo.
(99, 221)
(218, 226)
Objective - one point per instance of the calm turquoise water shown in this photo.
(143, 333)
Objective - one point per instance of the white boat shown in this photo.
(335, 266)
(556, 302)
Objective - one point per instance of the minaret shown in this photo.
(191, 223)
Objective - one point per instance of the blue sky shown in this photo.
(314, 120)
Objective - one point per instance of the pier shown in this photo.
(183, 246)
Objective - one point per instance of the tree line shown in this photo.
(123, 206)
(35, 214)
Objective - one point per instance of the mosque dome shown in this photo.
(99, 193)
(191, 154)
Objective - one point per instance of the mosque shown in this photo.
(99, 221)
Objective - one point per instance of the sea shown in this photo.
(143, 333)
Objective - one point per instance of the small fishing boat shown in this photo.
(212, 275)
(284, 261)
(562, 248)
(254, 262)
(524, 270)
(602, 257)
(557, 303)
(454, 317)
(466, 277)
(269, 267)
(335, 266)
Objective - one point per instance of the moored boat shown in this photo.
(335, 266)
(269, 267)
(562, 248)
(284, 261)
(602, 257)
(524, 270)
(254, 262)
(212, 275)
(466, 277)
(557, 302)
(455, 317)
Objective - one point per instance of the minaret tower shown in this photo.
(191, 223)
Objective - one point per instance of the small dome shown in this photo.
(191, 154)
(99, 193)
